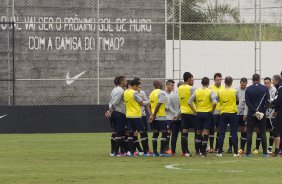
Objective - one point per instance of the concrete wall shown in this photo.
(134, 48)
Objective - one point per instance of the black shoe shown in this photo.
(229, 150)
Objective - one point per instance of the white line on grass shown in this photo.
(172, 166)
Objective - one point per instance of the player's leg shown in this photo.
(250, 130)
(113, 135)
(198, 136)
(126, 146)
(222, 126)
(258, 141)
(233, 131)
(167, 148)
(211, 135)
(184, 134)
(145, 123)
(205, 133)
(271, 137)
(243, 138)
(137, 144)
(156, 129)
(143, 136)
(119, 127)
(262, 129)
(175, 128)
(217, 129)
(230, 142)
(276, 134)
(163, 128)
(130, 129)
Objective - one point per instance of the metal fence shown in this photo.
(68, 52)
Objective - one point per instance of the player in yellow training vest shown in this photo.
(228, 99)
(214, 126)
(188, 117)
(133, 103)
(158, 118)
(205, 101)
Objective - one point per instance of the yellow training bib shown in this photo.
(184, 94)
(227, 100)
(203, 100)
(154, 98)
(132, 107)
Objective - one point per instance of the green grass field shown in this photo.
(84, 159)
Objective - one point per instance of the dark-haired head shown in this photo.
(256, 77)
(205, 81)
(228, 81)
(243, 80)
(169, 85)
(135, 84)
(217, 75)
(217, 79)
(121, 81)
(128, 85)
(243, 83)
(187, 76)
(276, 80)
(136, 78)
(157, 84)
(170, 81)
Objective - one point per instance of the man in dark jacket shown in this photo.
(257, 100)
(277, 105)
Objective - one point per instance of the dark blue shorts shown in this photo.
(188, 121)
(145, 123)
(241, 121)
(215, 122)
(118, 121)
(160, 125)
(135, 124)
(204, 120)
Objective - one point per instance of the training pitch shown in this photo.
(84, 159)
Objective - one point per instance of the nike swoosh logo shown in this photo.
(70, 80)
(3, 116)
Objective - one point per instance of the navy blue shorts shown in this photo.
(160, 125)
(135, 124)
(215, 122)
(118, 121)
(145, 123)
(241, 121)
(188, 121)
(204, 120)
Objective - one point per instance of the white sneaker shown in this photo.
(219, 155)
(141, 153)
(128, 153)
(236, 155)
(187, 155)
(112, 154)
(208, 148)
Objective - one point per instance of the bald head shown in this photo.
(157, 84)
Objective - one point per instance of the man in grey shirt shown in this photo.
(269, 112)
(176, 124)
(116, 113)
(170, 113)
(241, 108)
